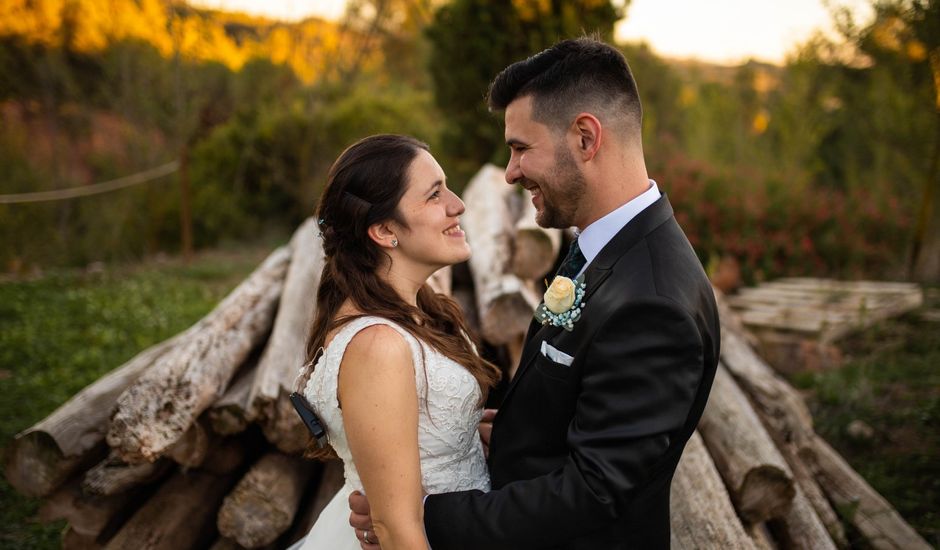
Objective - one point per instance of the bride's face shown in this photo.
(431, 210)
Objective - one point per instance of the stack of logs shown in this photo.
(193, 442)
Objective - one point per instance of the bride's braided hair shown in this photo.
(364, 187)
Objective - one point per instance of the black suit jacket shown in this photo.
(582, 456)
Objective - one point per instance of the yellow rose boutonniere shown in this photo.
(561, 306)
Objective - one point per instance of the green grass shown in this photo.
(890, 381)
(63, 331)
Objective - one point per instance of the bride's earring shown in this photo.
(394, 243)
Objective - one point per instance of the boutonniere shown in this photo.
(561, 306)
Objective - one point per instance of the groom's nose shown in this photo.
(513, 171)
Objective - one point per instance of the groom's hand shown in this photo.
(361, 520)
(486, 429)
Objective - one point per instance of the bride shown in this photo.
(395, 380)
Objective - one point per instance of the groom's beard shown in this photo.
(561, 196)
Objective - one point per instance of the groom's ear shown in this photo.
(588, 134)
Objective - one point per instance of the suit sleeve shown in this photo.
(640, 377)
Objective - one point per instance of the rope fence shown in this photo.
(94, 189)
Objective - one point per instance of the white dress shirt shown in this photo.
(596, 236)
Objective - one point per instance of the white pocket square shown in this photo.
(556, 355)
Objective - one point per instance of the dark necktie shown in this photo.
(573, 263)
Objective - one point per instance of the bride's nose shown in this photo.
(455, 207)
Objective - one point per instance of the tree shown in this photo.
(472, 40)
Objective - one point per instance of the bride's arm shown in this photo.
(379, 400)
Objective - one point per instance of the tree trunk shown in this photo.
(780, 406)
(285, 353)
(800, 527)
(191, 449)
(330, 482)
(263, 504)
(702, 516)
(87, 515)
(229, 415)
(73, 540)
(535, 248)
(113, 476)
(70, 439)
(181, 514)
(862, 506)
(505, 305)
(155, 412)
(758, 478)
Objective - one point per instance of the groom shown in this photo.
(592, 426)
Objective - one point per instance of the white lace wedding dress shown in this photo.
(448, 414)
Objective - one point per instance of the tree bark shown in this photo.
(701, 513)
(800, 527)
(858, 502)
(87, 515)
(758, 478)
(190, 450)
(780, 406)
(71, 438)
(285, 353)
(330, 481)
(113, 476)
(535, 248)
(229, 415)
(505, 305)
(179, 515)
(155, 412)
(263, 504)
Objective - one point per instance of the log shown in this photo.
(191, 449)
(810, 489)
(330, 482)
(73, 540)
(87, 515)
(800, 527)
(113, 476)
(229, 415)
(858, 502)
(701, 513)
(181, 514)
(535, 248)
(441, 281)
(71, 439)
(781, 408)
(263, 504)
(285, 353)
(155, 411)
(757, 476)
(504, 303)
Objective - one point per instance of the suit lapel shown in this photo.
(595, 275)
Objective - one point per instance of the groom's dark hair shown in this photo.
(573, 76)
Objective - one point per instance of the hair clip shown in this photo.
(321, 221)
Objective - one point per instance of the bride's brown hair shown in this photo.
(363, 188)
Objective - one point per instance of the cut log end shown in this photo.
(765, 493)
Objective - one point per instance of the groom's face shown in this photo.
(541, 162)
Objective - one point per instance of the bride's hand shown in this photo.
(486, 429)
(361, 521)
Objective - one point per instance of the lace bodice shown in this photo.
(448, 413)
